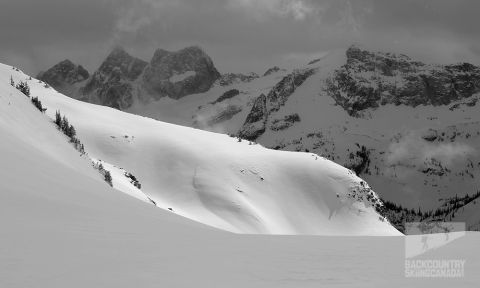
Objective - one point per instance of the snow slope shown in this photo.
(213, 179)
(403, 165)
(63, 226)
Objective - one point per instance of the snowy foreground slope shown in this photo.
(410, 129)
(63, 226)
(213, 178)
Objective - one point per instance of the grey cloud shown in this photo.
(240, 35)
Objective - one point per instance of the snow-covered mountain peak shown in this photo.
(65, 76)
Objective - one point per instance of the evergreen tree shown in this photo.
(38, 104)
(71, 132)
(24, 88)
(58, 118)
(64, 125)
(12, 82)
(108, 177)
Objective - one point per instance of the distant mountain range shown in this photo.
(122, 79)
(411, 129)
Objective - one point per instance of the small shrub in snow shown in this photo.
(58, 118)
(24, 88)
(133, 180)
(37, 103)
(106, 174)
(108, 177)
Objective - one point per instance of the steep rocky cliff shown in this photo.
(371, 79)
(181, 73)
(257, 120)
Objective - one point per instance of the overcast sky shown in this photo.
(240, 35)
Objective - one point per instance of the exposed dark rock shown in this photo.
(431, 135)
(177, 74)
(314, 61)
(227, 95)
(272, 70)
(232, 78)
(369, 80)
(282, 90)
(470, 102)
(256, 121)
(434, 167)
(64, 75)
(286, 122)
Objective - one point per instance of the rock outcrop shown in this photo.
(256, 122)
(272, 70)
(235, 78)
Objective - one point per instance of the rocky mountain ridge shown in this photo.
(371, 79)
(123, 79)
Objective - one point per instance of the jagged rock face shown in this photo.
(226, 95)
(256, 122)
(64, 75)
(122, 78)
(282, 90)
(177, 74)
(233, 78)
(111, 84)
(369, 80)
(272, 70)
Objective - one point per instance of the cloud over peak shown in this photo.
(261, 9)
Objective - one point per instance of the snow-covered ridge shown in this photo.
(213, 178)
